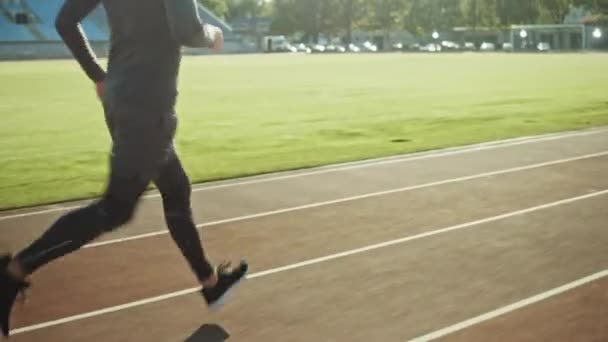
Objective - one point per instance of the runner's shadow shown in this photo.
(209, 333)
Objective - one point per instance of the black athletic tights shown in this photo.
(116, 208)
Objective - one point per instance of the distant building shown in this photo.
(476, 36)
(382, 40)
(577, 32)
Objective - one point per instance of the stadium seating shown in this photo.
(93, 32)
(9, 30)
(99, 19)
(98, 16)
(41, 24)
(208, 17)
(46, 11)
(12, 6)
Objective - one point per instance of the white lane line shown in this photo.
(355, 165)
(354, 198)
(311, 262)
(509, 308)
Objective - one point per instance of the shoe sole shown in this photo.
(219, 303)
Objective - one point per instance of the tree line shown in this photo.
(341, 17)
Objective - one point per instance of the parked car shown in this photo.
(469, 46)
(543, 47)
(415, 47)
(317, 48)
(303, 48)
(507, 47)
(353, 48)
(369, 47)
(335, 48)
(290, 48)
(431, 47)
(397, 46)
(450, 46)
(485, 46)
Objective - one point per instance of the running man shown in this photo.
(139, 93)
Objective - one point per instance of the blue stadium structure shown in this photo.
(10, 16)
(28, 26)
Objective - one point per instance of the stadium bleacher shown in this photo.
(98, 18)
(45, 12)
(12, 6)
(93, 32)
(38, 35)
(11, 32)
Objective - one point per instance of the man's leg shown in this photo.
(136, 156)
(131, 170)
(66, 235)
(79, 227)
(174, 186)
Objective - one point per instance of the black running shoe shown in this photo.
(9, 290)
(227, 281)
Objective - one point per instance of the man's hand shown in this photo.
(99, 89)
(215, 35)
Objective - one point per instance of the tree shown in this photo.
(245, 8)
(352, 13)
(330, 21)
(596, 6)
(510, 12)
(470, 11)
(554, 10)
(348, 15)
(448, 14)
(284, 13)
(391, 15)
(425, 16)
(308, 18)
(479, 13)
(386, 14)
(313, 17)
(218, 7)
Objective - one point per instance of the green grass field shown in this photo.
(243, 115)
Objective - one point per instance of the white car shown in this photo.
(469, 46)
(485, 46)
(432, 47)
(353, 48)
(370, 47)
(543, 47)
(303, 48)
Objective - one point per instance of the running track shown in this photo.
(503, 241)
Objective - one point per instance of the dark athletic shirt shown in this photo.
(144, 55)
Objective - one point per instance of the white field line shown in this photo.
(271, 177)
(354, 198)
(509, 308)
(310, 262)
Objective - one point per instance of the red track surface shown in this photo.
(450, 269)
